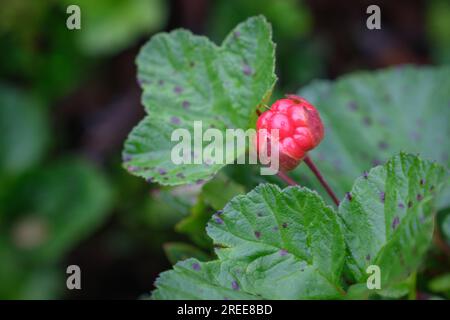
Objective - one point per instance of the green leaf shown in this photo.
(107, 29)
(271, 243)
(440, 283)
(369, 116)
(387, 218)
(24, 131)
(187, 78)
(192, 279)
(52, 220)
(220, 190)
(178, 251)
(194, 224)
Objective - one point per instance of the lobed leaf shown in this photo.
(387, 217)
(370, 116)
(272, 244)
(187, 78)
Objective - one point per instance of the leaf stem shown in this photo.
(322, 181)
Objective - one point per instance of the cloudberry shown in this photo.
(300, 130)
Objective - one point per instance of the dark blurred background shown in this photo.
(69, 98)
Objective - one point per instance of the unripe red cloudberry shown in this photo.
(300, 130)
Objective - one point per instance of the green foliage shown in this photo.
(441, 284)
(388, 216)
(438, 29)
(369, 116)
(186, 78)
(34, 234)
(24, 132)
(287, 244)
(110, 28)
(178, 251)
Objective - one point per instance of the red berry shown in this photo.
(300, 130)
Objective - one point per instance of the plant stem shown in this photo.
(322, 181)
(286, 178)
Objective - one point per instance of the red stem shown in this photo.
(322, 181)
(286, 178)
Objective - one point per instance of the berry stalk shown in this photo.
(322, 181)
(283, 176)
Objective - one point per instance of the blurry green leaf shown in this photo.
(370, 115)
(271, 243)
(445, 225)
(178, 251)
(109, 28)
(24, 132)
(438, 29)
(290, 18)
(440, 283)
(218, 191)
(387, 218)
(166, 207)
(64, 204)
(194, 224)
(187, 78)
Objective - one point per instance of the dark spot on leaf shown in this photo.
(149, 179)
(422, 182)
(178, 89)
(126, 158)
(365, 175)
(283, 252)
(410, 204)
(367, 121)
(382, 196)
(247, 70)
(234, 285)
(132, 168)
(161, 82)
(431, 188)
(348, 195)
(401, 205)
(352, 106)
(218, 220)
(175, 120)
(275, 228)
(415, 136)
(284, 225)
(368, 257)
(259, 214)
(395, 223)
(383, 145)
(376, 162)
(257, 234)
(162, 171)
(196, 266)
(180, 175)
(199, 181)
(422, 218)
(219, 212)
(419, 197)
(186, 104)
(192, 64)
